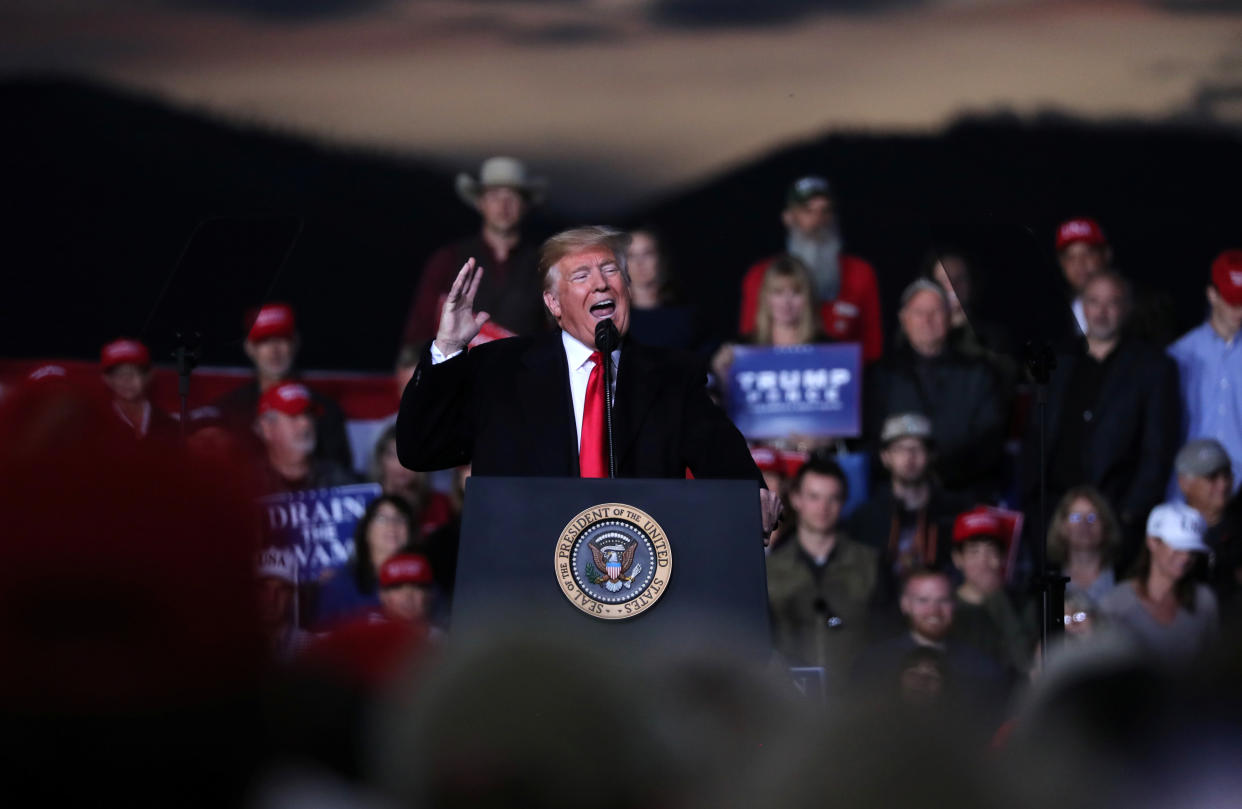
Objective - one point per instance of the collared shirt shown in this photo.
(1210, 373)
(578, 357)
(1080, 316)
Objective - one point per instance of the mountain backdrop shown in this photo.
(104, 190)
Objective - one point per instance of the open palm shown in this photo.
(459, 323)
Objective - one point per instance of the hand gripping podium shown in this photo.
(623, 559)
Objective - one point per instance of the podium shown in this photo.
(623, 560)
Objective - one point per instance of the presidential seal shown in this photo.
(613, 561)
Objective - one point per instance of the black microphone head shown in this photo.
(606, 336)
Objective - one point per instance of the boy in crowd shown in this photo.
(984, 617)
(126, 367)
(406, 588)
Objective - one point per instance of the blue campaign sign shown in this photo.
(318, 525)
(812, 390)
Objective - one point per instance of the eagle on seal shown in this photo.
(615, 561)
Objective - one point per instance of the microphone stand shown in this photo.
(1041, 361)
(186, 355)
(606, 340)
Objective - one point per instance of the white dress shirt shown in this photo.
(578, 357)
(1080, 317)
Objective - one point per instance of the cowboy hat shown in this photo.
(506, 172)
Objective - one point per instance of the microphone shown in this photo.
(607, 338)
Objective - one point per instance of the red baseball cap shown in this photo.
(766, 459)
(979, 524)
(1080, 230)
(1227, 276)
(272, 320)
(122, 351)
(290, 398)
(405, 568)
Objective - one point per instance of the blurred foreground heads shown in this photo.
(131, 644)
(561, 719)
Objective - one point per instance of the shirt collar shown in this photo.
(1215, 337)
(578, 353)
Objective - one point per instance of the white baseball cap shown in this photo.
(277, 563)
(1178, 525)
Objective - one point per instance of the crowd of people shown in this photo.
(926, 586)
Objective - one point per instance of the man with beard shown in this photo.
(927, 604)
(286, 426)
(1112, 416)
(909, 521)
(845, 286)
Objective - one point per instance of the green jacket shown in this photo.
(800, 626)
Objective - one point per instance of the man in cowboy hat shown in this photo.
(502, 194)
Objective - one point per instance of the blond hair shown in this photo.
(782, 268)
(575, 240)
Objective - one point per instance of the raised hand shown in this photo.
(458, 321)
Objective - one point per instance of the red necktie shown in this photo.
(592, 457)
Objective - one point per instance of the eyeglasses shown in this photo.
(1076, 618)
(1089, 517)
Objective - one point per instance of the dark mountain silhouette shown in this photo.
(104, 187)
(995, 188)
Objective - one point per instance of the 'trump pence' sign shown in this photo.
(812, 390)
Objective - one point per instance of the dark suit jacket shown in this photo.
(962, 398)
(1134, 428)
(505, 407)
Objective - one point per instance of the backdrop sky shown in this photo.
(617, 101)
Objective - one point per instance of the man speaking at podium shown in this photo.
(534, 406)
